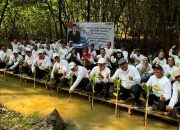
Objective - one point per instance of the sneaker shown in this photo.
(166, 113)
(150, 108)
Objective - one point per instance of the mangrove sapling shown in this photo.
(117, 83)
(70, 82)
(93, 82)
(147, 89)
(20, 69)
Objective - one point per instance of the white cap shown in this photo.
(118, 50)
(15, 51)
(101, 61)
(55, 55)
(72, 65)
(40, 51)
(28, 49)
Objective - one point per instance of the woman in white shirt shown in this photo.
(169, 68)
(174, 102)
(145, 69)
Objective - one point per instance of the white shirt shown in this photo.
(4, 55)
(29, 60)
(136, 57)
(41, 63)
(80, 74)
(109, 51)
(149, 68)
(49, 53)
(158, 61)
(167, 69)
(35, 53)
(15, 46)
(160, 86)
(23, 48)
(176, 90)
(60, 67)
(14, 61)
(104, 73)
(176, 58)
(63, 52)
(125, 54)
(124, 76)
(93, 53)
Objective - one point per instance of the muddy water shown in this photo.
(26, 100)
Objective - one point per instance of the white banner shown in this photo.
(98, 33)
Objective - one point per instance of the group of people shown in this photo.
(60, 62)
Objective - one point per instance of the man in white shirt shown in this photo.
(80, 77)
(29, 59)
(92, 51)
(41, 65)
(4, 56)
(60, 70)
(14, 62)
(161, 88)
(137, 56)
(174, 101)
(130, 80)
(102, 78)
(15, 45)
(160, 60)
(176, 57)
(63, 51)
(109, 50)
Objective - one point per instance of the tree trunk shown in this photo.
(88, 11)
(3, 12)
(60, 20)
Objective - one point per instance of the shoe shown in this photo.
(166, 113)
(150, 108)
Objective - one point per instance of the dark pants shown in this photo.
(125, 93)
(82, 85)
(15, 70)
(98, 88)
(161, 104)
(26, 70)
(63, 81)
(2, 64)
(40, 73)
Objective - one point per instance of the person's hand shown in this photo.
(70, 90)
(131, 78)
(162, 98)
(107, 75)
(169, 108)
(34, 72)
(173, 47)
(142, 85)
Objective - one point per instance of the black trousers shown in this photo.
(40, 73)
(26, 70)
(2, 64)
(98, 88)
(161, 104)
(63, 81)
(15, 70)
(125, 93)
(82, 85)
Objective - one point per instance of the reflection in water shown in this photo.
(78, 112)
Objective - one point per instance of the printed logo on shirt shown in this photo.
(156, 87)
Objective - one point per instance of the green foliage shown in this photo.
(70, 78)
(12, 120)
(117, 83)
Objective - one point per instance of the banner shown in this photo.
(88, 33)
